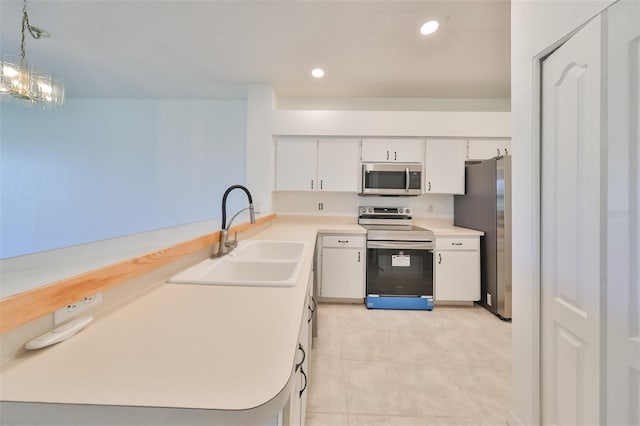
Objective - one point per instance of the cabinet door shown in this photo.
(338, 165)
(376, 150)
(483, 149)
(457, 275)
(444, 170)
(305, 337)
(298, 397)
(296, 165)
(343, 273)
(407, 150)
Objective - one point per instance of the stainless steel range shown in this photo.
(399, 259)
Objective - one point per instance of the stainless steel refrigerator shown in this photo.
(486, 206)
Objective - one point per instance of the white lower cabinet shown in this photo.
(295, 411)
(343, 266)
(457, 269)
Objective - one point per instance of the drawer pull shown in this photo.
(439, 258)
(343, 241)
(456, 244)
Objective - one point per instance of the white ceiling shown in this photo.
(206, 48)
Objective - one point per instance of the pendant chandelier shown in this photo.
(19, 82)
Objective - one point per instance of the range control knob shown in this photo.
(370, 210)
(407, 211)
(400, 211)
(363, 210)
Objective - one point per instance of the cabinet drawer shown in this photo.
(458, 243)
(352, 241)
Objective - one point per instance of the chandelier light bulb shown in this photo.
(429, 27)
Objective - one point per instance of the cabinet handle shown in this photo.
(321, 184)
(343, 241)
(429, 184)
(304, 356)
(312, 311)
(387, 155)
(358, 257)
(439, 258)
(311, 183)
(456, 244)
(498, 149)
(395, 155)
(506, 151)
(305, 383)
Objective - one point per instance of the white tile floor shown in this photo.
(450, 366)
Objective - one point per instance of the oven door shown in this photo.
(391, 179)
(399, 268)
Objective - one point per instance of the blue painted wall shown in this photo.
(97, 169)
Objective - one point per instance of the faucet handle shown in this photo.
(234, 243)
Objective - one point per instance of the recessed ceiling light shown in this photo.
(429, 27)
(317, 72)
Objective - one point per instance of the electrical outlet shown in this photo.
(73, 309)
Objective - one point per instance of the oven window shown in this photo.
(397, 272)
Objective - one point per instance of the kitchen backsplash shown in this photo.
(346, 204)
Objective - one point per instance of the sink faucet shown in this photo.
(225, 245)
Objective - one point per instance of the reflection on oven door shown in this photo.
(393, 272)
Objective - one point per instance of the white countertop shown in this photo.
(186, 346)
(181, 346)
(442, 229)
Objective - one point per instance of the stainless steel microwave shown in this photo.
(391, 179)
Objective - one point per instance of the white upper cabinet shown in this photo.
(309, 164)
(338, 165)
(483, 149)
(296, 164)
(392, 150)
(444, 167)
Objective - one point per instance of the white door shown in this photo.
(623, 199)
(444, 167)
(338, 165)
(571, 231)
(296, 165)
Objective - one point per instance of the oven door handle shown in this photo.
(400, 245)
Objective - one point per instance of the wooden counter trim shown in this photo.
(21, 308)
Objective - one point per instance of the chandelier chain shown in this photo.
(26, 26)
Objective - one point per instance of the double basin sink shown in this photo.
(254, 263)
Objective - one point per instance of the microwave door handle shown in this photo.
(406, 183)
